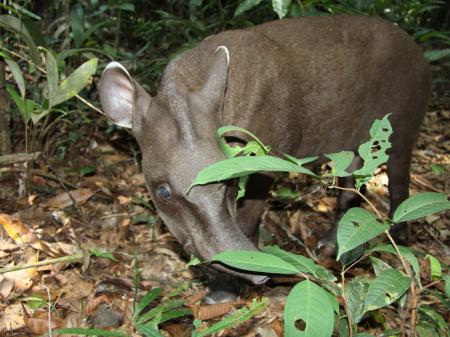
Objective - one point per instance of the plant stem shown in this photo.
(64, 259)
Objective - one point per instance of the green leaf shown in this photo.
(104, 254)
(356, 227)
(406, 253)
(193, 261)
(386, 289)
(435, 266)
(355, 294)
(146, 300)
(255, 261)
(25, 108)
(281, 7)
(301, 161)
(52, 73)
(378, 265)
(252, 147)
(363, 334)
(77, 24)
(437, 319)
(311, 304)
(166, 306)
(246, 5)
(339, 162)
(35, 302)
(233, 319)
(10, 22)
(73, 84)
(90, 332)
(373, 152)
(243, 166)
(301, 263)
(435, 55)
(447, 285)
(17, 74)
(148, 330)
(420, 205)
(242, 187)
(426, 329)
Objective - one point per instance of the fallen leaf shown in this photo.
(16, 230)
(64, 200)
(40, 322)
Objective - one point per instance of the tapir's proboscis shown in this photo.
(306, 86)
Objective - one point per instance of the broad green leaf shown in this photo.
(89, 332)
(255, 261)
(281, 7)
(246, 5)
(193, 261)
(373, 152)
(10, 22)
(355, 293)
(242, 166)
(19, 102)
(378, 265)
(363, 334)
(339, 162)
(356, 227)
(256, 147)
(386, 289)
(435, 55)
(420, 205)
(234, 318)
(435, 266)
(52, 74)
(437, 319)
(146, 300)
(311, 304)
(406, 253)
(302, 263)
(73, 84)
(17, 74)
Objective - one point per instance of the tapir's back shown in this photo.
(317, 83)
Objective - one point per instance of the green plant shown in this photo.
(314, 300)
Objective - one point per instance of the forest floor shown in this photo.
(116, 248)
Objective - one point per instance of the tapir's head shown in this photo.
(176, 133)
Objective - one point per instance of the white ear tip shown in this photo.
(227, 53)
(116, 65)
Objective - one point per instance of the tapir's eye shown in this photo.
(164, 192)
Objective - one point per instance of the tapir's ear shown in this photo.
(216, 81)
(117, 93)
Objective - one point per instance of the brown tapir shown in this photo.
(305, 86)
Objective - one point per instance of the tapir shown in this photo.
(305, 86)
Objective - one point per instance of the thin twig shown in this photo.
(362, 196)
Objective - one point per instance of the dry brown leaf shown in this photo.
(204, 312)
(23, 279)
(7, 246)
(16, 230)
(64, 200)
(6, 286)
(40, 322)
(95, 302)
(12, 318)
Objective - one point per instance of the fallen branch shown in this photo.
(14, 158)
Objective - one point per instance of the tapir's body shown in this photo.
(304, 86)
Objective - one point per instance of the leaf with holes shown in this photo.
(355, 293)
(255, 261)
(309, 305)
(340, 162)
(356, 227)
(302, 263)
(420, 205)
(373, 152)
(252, 147)
(385, 289)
